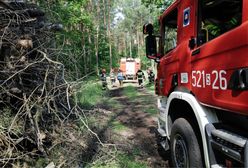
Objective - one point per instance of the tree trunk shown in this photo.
(96, 49)
(104, 13)
(109, 37)
(131, 47)
(90, 51)
(84, 51)
(97, 38)
(138, 44)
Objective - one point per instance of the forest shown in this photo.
(51, 53)
(96, 34)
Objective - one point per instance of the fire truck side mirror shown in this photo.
(151, 47)
(148, 28)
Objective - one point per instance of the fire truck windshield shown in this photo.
(211, 24)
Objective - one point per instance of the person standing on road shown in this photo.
(120, 77)
(112, 77)
(140, 75)
(103, 78)
(151, 77)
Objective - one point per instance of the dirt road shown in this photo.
(131, 129)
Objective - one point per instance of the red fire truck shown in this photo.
(202, 82)
(129, 67)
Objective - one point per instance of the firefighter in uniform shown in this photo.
(140, 75)
(151, 76)
(103, 78)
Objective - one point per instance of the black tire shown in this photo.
(184, 146)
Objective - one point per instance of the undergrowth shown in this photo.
(90, 94)
(117, 159)
(117, 126)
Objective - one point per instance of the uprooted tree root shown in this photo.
(36, 108)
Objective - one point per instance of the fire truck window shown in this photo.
(217, 17)
(170, 27)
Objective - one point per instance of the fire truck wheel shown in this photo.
(185, 149)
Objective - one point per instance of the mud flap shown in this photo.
(162, 140)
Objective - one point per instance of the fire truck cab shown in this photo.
(202, 82)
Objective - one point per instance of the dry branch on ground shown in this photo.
(35, 102)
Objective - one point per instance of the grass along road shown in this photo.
(128, 119)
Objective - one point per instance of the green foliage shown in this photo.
(128, 30)
(90, 94)
(145, 62)
(77, 41)
(157, 7)
(86, 31)
(122, 160)
(128, 161)
(213, 29)
(158, 3)
(103, 51)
